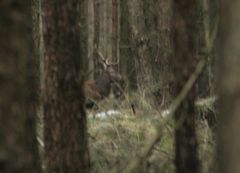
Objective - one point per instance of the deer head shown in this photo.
(108, 80)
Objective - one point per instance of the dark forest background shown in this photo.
(145, 86)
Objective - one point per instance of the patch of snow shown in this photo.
(165, 113)
(106, 114)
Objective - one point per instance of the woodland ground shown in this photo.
(115, 141)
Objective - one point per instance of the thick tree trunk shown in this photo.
(65, 131)
(229, 87)
(18, 71)
(184, 62)
(139, 42)
(151, 46)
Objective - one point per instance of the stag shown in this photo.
(100, 88)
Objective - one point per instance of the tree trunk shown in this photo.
(96, 36)
(109, 28)
(84, 34)
(39, 51)
(139, 42)
(207, 37)
(18, 144)
(184, 62)
(90, 25)
(65, 130)
(151, 35)
(229, 86)
(38, 39)
(115, 32)
(208, 23)
(127, 61)
(161, 67)
(105, 26)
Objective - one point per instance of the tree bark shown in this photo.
(90, 24)
(96, 36)
(115, 39)
(184, 62)
(65, 126)
(84, 33)
(208, 24)
(139, 42)
(39, 53)
(161, 66)
(151, 46)
(18, 144)
(127, 61)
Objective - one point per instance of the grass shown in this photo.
(116, 141)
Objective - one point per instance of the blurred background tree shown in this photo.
(229, 87)
(18, 101)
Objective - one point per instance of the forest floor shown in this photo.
(118, 139)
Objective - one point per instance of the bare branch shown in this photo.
(132, 167)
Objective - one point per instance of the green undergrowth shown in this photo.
(116, 141)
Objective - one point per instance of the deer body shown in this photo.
(100, 88)
(103, 83)
(97, 90)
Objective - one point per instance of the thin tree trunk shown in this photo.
(84, 33)
(39, 51)
(208, 22)
(115, 32)
(109, 28)
(65, 126)
(105, 26)
(90, 21)
(96, 36)
(18, 90)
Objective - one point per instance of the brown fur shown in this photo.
(97, 90)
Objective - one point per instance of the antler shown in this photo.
(111, 63)
(103, 60)
(106, 62)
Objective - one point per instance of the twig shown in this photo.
(40, 141)
(188, 86)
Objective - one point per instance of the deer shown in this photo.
(100, 88)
